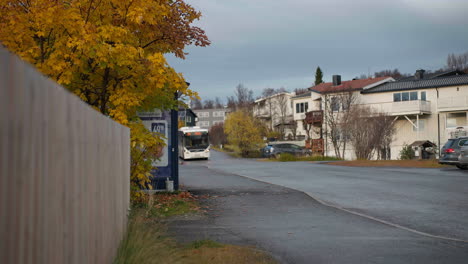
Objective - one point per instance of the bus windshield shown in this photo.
(198, 140)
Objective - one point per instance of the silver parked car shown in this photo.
(463, 157)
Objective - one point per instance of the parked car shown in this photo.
(266, 151)
(450, 152)
(275, 150)
(463, 157)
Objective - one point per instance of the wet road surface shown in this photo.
(295, 228)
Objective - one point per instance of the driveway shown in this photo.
(291, 225)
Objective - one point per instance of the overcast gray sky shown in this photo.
(272, 43)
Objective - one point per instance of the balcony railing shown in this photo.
(314, 117)
(415, 107)
(316, 145)
(453, 103)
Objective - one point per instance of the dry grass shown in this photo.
(147, 240)
(390, 163)
(227, 254)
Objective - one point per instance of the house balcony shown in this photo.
(314, 117)
(316, 145)
(415, 107)
(459, 103)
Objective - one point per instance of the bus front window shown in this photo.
(196, 141)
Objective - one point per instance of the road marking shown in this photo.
(324, 203)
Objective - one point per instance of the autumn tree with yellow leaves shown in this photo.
(242, 131)
(110, 53)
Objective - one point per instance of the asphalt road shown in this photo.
(284, 220)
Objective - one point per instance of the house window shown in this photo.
(204, 123)
(408, 96)
(420, 124)
(344, 106)
(405, 96)
(335, 104)
(302, 107)
(218, 114)
(456, 119)
(423, 96)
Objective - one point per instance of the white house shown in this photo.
(427, 107)
(276, 111)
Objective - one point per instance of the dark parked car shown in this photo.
(451, 151)
(463, 158)
(275, 150)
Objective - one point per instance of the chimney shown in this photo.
(419, 75)
(336, 80)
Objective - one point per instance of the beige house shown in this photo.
(311, 108)
(427, 107)
(276, 112)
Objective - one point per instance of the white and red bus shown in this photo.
(193, 143)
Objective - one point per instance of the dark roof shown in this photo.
(418, 143)
(427, 76)
(419, 84)
(188, 110)
(306, 94)
(346, 85)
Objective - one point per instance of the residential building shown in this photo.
(187, 116)
(209, 117)
(430, 107)
(311, 108)
(277, 113)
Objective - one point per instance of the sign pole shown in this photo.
(175, 145)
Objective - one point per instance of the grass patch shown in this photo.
(289, 158)
(392, 163)
(164, 205)
(147, 240)
(235, 152)
(204, 243)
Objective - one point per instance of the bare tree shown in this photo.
(281, 103)
(392, 73)
(266, 94)
(293, 125)
(208, 104)
(457, 61)
(231, 103)
(244, 97)
(337, 111)
(299, 91)
(307, 127)
(218, 103)
(384, 132)
(196, 104)
(370, 132)
(217, 135)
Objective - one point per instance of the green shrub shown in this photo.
(255, 154)
(406, 152)
(287, 157)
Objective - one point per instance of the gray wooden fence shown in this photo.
(64, 173)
